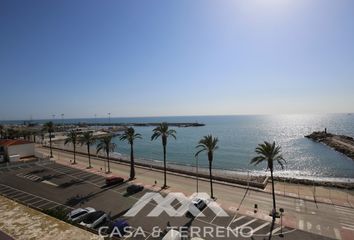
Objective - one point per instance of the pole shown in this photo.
(197, 174)
(109, 118)
(96, 121)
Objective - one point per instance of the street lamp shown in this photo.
(281, 210)
(62, 119)
(196, 158)
(109, 118)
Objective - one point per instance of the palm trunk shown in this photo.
(274, 205)
(109, 169)
(74, 153)
(50, 145)
(89, 155)
(211, 179)
(132, 170)
(164, 167)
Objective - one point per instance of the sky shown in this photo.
(178, 57)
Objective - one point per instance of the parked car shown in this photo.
(134, 189)
(117, 228)
(198, 203)
(79, 213)
(93, 219)
(114, 180)
(172, 235)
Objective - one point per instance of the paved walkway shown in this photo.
(20, 222)
(331, 216)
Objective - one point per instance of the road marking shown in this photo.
(348, 225)
(42, 205)
(15, 195)
(238, 219)
(337, 234)
(301, 224)
(275, 230)
(260, 227)
(348, 228)
(7, 191)
(30, 194)
(247, 223)
(50, 183)
(309, 225)
(38, 201)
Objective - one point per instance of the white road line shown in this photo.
(35, 196)
(34, 203)
(247, 223)
(348, 225)
(238, 219)
(42, 205)
(7, 191)
(30, 199)
(275, 230)
(337, 234)
(86, 175)
(16, 194)
(301, 224)
(260, 227)
(348, 228)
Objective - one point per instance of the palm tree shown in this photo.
(49, 127)
(269, 153)
(107, 146)
(1, 131)
(88, 139)
(208, 144)
(163, 132)
(129, 136)
(72, 137)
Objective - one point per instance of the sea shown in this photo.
(239, 136)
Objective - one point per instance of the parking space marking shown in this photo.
(238, 219)
(275, 230)
(84, 175)
(249, 222)
(38, 201)
(15, 195)
(7, 191)
(34, 196)
(261, 226)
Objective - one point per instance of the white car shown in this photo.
(172, 235)
(93, 219)
(79, 213)
(199, 203)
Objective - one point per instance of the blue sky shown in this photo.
(185, 57)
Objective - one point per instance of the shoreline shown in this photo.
(228, 176)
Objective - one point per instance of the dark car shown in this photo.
(134, 189)
(117, 228)
(114, 180)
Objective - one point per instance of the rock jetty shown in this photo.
(340, 143)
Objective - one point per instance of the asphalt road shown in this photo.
(49, 185)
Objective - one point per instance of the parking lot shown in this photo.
(48, 185)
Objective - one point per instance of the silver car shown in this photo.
(93, 219)
(79, 214)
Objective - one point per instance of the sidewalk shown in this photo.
(20, 222)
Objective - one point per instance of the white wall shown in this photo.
(24, 150)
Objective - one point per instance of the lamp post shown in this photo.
(109, 118)
(281, 210)
(196, 158)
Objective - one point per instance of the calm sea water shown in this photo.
(238, 137)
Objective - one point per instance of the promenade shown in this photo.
(323, 211)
